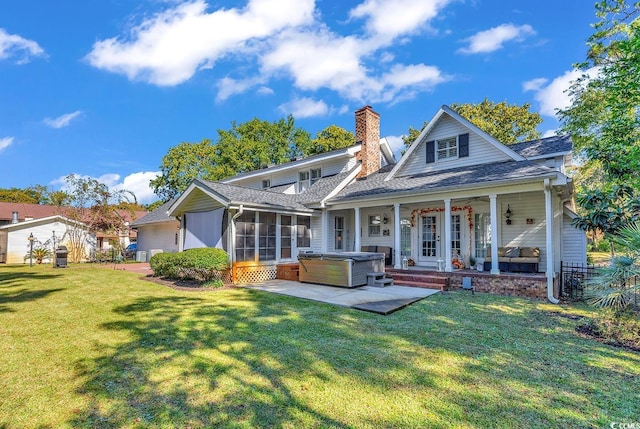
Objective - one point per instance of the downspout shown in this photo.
(549, 231)
(232, 244)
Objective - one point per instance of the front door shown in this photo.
(429, 239)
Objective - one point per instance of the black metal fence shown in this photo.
(574, 276)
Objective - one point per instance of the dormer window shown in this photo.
(447, 148)
(307, 178)
(303, 181)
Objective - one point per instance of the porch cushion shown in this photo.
(529, 252)
(511, 252)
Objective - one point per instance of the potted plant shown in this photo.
(472, 262)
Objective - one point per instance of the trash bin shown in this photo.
(61, 257)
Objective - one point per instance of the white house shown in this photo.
(156, 232)
(50, 232)
(454, 193)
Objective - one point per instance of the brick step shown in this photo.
(423, 285)
(413, 277)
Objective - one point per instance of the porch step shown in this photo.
(422, 285)
(416, 279)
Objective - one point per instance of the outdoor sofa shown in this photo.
(515, 259)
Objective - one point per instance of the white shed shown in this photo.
(51, 232)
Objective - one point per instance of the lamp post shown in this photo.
(54, 249)
(31, 249)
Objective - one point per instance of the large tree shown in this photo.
(508, 123)
(244, 147)
(604, 117)
(331, 138)
(181, 165)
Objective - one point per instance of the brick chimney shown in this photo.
(368, 135)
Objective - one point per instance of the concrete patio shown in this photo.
(374, 299)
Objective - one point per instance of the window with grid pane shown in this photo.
(304, 231)
(267, 237)
(447, 148)
(246, 237)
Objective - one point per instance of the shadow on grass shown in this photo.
(253, 359)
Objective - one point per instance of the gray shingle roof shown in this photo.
(375, 185)
(322, 188)
(156, 216)
(545, 146)
(249, 196)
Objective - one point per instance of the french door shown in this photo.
(429, 239)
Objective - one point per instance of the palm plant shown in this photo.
(616, 286)
(39, 253)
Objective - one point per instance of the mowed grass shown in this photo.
(95, 347)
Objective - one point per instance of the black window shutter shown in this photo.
(431, 152)
(463, 145)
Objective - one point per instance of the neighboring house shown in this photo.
(156, 232)
(456, 191)
(125, 235)
(12, 214)
(49, 232)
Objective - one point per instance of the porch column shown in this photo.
(180, 234)
(325, 229)
(397, 261)
(493, 205)
(447, 235)
(356, 233)
(549, 240)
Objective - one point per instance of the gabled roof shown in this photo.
(377, 185)
(545, 147)
(156, 216)
(35, 211)
(41, 221)
(466, 123)
(337, 153)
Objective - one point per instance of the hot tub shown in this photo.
(345, 269)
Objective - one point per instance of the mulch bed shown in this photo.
(186, 285)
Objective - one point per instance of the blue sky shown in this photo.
(104, 88)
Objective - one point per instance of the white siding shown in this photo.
(290, 175)
(380, 240)
(316, 233)
(520, 234)
(348, 236)
(480, 151)
(158, 236)
(18, 240)
(198, 201)
(574, 243)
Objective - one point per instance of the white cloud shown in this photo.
(62, 120)
(493, 39)
(138, 183)
(265, 90)
(549, 133)
(388, 19)
(305, 108)
(5, 142)
(552, 96)
(228, 87)
(168, 48)
(14, 45)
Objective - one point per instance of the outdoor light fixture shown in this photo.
(508, 214)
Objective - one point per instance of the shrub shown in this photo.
(203, 264)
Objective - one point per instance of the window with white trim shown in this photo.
(303, 181)
(447, 148)
(374, 225)
(316, 174)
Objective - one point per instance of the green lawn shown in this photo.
(95, 347)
